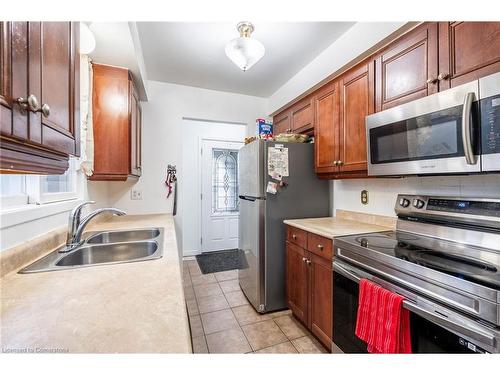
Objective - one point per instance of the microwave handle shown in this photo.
(466, 129)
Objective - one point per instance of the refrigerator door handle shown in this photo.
(251, 199)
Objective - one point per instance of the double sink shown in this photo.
(103, 248)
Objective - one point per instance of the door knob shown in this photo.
(29, 103)
(443, 76)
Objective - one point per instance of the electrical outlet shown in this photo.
(364, 196)
(136, 194)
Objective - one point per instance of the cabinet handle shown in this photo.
(320, 247)
(294, 236)
(340, 163)
(304, 259)
(432, 80)
(443, 76)
(335, 162)
(45, 110)
(30, 103)
(308, 262)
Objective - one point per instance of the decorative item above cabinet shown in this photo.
(116, 115)
(39, 96)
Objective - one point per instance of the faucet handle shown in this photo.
(74, 216)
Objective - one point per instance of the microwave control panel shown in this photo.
(490, 125)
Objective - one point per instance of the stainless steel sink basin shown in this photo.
(109, 253)
(103, 248)
(124, 236)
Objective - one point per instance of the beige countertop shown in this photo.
(332, 227)
(124, 308)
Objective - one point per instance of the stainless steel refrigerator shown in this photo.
(261, 230)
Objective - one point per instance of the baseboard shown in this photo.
(191, 253)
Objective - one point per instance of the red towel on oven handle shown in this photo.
(382, 322)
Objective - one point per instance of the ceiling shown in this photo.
(192, 54)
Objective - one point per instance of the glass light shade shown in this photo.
(245, 52)
(87, 39)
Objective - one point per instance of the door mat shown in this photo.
(224, 260)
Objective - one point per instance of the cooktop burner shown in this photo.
(470, 263)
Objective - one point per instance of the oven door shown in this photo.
(433, 135)
(434, 329)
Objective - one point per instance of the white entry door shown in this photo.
(219, 195)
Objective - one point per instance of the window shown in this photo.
(19, 190)
(224, 181)
(13, 190)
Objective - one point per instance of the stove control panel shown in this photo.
(406, 205)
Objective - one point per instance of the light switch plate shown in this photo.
(136, 194)
(364, 196)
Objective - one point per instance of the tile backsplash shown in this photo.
(383, 191)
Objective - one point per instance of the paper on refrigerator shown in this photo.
(277, 161)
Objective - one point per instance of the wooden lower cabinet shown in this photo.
(296, 281)
(321, 298)
(309, 284)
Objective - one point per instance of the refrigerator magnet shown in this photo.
(272, 187)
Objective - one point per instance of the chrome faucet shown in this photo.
(76, 225)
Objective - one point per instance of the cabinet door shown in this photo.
(13, 79)
(408, 68)
(54, 79)
(356, 101)
(281, 123)
(134, 132)
(326, 128)
(111, 116)
(302, 116)
(296, 281)
(467, 51)
(321, 298)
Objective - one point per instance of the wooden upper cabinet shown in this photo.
(356, 102)
(116, 122)
(282, 123)
(302, 116)
(408, 68)
(326, 129)
(467, 51)
(39, 61)
(135, 132)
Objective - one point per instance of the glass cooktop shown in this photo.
(479, 265)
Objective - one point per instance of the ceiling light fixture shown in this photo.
(245, 51)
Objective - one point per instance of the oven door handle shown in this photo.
(460, 326)
(466, 129)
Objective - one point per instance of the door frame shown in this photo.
(200, 173)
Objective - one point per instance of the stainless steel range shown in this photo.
(444, 257)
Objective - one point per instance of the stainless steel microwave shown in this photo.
(454, 131)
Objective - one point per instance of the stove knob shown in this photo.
(418, 203)
(404, 202)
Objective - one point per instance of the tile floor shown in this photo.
(222, 321)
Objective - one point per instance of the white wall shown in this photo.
(354, 42)
(193, 132)
(383, 191)
(162, 140)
